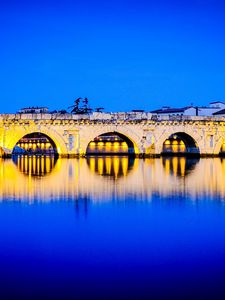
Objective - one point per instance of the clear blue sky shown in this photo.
(122, 55)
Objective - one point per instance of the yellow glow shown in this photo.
(175, 165)
(182, 148)
(182, 166)
(92, 164)
(124, 145)
(144, 177)
(30, 165)
(167, 166)
(125, 165)
(38, 166)
(26, 164)
(48, 165)
(34, 159)
(167, 142)
(108, 162)
(223, 147)
(42, 165)
(175, 148)
(116, 165)
(100, 165)
(58, 150)
(108, 145)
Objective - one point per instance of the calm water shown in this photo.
(112, 228)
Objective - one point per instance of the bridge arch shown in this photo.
(35, 143)
(111, 143)
(132, 139)
(13, 137)
(179, 142)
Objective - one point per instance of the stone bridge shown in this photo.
(71, 134)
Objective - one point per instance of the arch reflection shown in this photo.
(179, 166)
(35, 165)
(79, 180)
(112, 166)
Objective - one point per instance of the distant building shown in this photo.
(168, 111)
(33, 110)
(220, 113)
(210, 110)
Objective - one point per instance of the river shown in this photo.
(112, 228)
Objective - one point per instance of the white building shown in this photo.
(168, 111)
(210, 110)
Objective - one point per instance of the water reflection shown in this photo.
(150, 223)
(113, 166)
(101, 179)
(35, 165)
(179, 166)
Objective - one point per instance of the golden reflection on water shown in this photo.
(114, 166)
(35, 165)
(102, 179)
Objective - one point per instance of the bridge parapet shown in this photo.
(125, 116)
(68, 116)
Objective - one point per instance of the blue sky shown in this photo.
(122, 55)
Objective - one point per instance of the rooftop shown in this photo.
(170, 110)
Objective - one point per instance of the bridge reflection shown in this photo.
(100, 179)
(179, 166)
(113, 166)
(35, 165)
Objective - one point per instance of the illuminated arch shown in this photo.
(191, 145)
(127, 134)
(13, 137)
(40, 135)
(129, 149)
